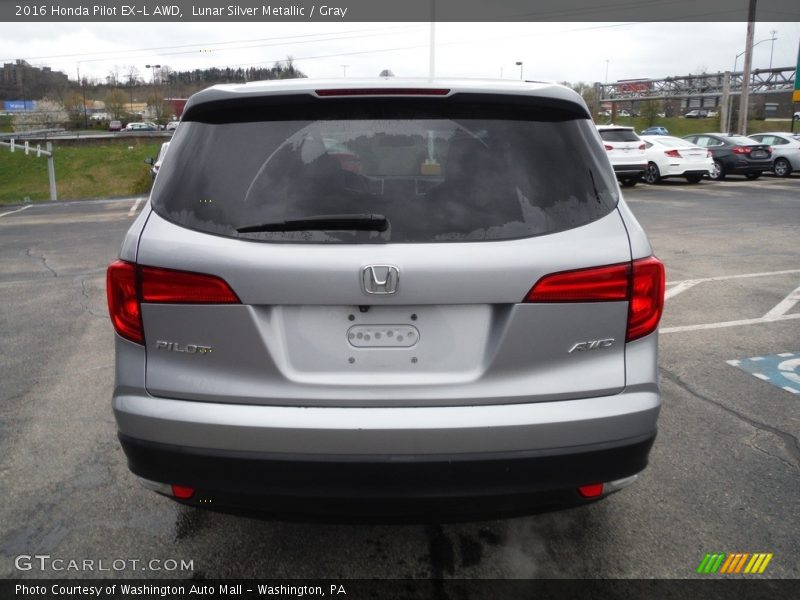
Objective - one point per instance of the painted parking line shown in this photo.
(781, 370)
(776, 313)
(11, 212)
(682, 286)
(135, 206)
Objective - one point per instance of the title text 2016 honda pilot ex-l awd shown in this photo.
(386, 294)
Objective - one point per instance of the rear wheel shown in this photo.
(782, 167)
(694, 178)
(753, 175)
(652, 174)
(717, 171)
(628, 181)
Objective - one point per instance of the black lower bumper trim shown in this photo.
(251, 479)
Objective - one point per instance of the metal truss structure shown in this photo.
(762, 81)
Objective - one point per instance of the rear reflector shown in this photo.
(122, 291)
(641, 283)
(384, 92)
(185, 492)
(592, 490)
(128, 285)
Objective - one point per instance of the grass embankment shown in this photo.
(83, 170)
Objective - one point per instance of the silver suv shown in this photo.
(386, 294)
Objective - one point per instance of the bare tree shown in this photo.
(115, 103)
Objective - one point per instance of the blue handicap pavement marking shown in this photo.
(781, 370)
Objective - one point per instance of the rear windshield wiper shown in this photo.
(352, 222)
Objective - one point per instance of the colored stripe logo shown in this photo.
(737, 562)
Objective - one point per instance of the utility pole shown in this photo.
(748, 61)
(432, 43)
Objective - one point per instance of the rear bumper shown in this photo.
(630, 170)
(457, 485)
(285, 459)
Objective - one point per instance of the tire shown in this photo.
(628, 181)
(717, 172)
(694, 178)
(651, 174)
(752, 176)
(782, 167)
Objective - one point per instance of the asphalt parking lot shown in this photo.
(723, 475)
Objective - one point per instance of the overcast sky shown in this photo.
(548, 51)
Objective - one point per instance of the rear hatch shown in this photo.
(623, 145)
(380, 251)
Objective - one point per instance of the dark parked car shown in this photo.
(734, 154)
(696, 114)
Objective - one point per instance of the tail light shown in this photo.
(740, 150)
(129, 285)
(673, 153)
(641, 283)
(384, 92)
(122, 291)
(607, 147)
(647, 298)
(642, 147)
(708, 154)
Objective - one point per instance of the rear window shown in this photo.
(618, 135)
(742, 141)
(431, 171)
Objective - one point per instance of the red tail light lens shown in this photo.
(641, 283)
(598, 284)
(166, 286)
(607, 147)
(740, 150)
(673, 153)
(122, 291)
(647, 298)
(708, 154)
(642, 146)
(127, 285)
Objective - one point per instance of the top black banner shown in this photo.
(395, 10)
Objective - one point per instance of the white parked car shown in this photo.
(669, 156)
(625, 151)
(785, 151)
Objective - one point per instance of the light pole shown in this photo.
(606, 79)
(519, 64)
(733, 74)
(155, 99)
(772, 46)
